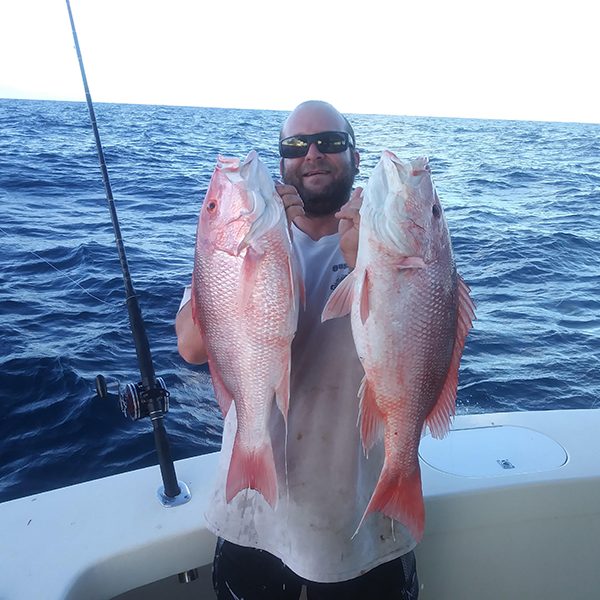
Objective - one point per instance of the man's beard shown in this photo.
(328, 200)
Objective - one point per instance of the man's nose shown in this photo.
(313, 151)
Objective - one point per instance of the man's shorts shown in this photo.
(251, 574)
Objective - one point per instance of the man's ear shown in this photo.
(355, 160)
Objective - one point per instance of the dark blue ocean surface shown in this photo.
(522, 200)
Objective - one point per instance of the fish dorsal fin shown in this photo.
(438, 420)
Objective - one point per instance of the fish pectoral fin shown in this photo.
(411, 262)
(223, 395)
(249, 270)
(252, 468)
(371, 419)
(440, 416)
(339, 303)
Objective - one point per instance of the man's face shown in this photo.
(324, 181)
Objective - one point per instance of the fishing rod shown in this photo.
(150, 396)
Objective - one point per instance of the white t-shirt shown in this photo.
(329, 480)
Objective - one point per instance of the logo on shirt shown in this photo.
(342, 271)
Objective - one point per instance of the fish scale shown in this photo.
(245, 302)
(410, 314)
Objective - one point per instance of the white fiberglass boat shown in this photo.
(513, 511)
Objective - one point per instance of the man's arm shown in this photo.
(189, 339)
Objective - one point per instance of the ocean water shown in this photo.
(523, 204)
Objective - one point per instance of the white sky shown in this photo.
(516, 59)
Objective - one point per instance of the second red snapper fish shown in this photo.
(245, 302)
(410, 314)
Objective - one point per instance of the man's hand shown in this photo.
(349, 218)
(294, 207)
(190, 343)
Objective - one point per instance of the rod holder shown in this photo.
(183, 497)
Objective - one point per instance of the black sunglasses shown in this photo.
(328, 142)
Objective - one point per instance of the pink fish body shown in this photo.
(410, 313)
(245, 302)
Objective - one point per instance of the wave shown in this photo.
(521, 199)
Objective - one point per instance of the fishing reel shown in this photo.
(136, 402)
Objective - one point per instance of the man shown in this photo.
(325, 480)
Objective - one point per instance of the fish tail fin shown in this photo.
(400, 499)
(252, 468)
(438, 420)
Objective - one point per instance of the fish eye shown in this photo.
(435, 209)
(211, 206)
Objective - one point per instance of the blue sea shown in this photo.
(522, 200)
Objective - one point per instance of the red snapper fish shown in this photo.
(245, 302)
(410, 314)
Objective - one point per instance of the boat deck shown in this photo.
(512, 500)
